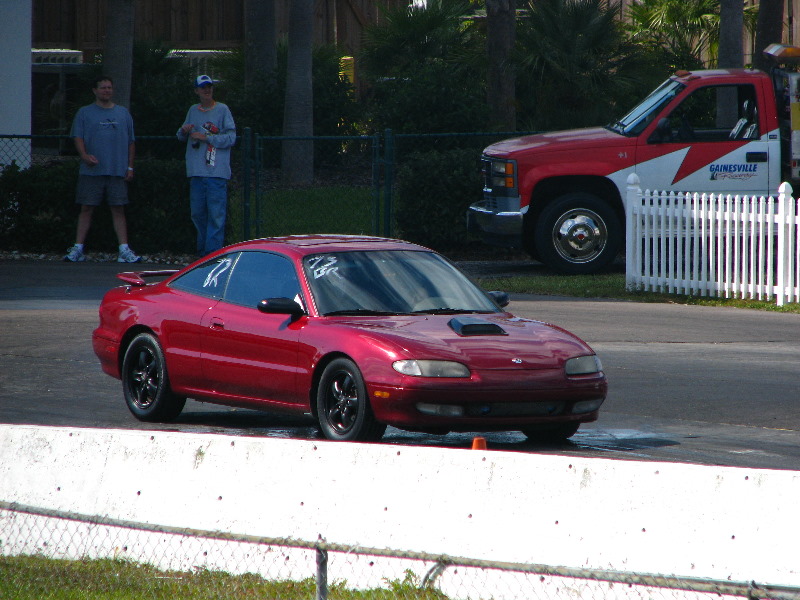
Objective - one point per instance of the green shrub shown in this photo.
(432, 193)
(38, 211)
(439, 98)
(159, 218)
(37, 206)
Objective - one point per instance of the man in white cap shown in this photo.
(209, 133)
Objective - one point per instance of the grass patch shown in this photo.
(37, 578)
(612, 285)
(330, 209)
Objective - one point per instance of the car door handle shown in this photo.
(217, 323)
(756, 157)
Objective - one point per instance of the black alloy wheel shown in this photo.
(145, 382)
(343, 410)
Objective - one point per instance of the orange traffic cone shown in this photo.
(479, 443)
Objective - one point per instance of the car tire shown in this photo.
(145, 382)
(552, 433)
(577, 234)
(343, 409)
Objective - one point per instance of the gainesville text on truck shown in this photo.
(560, 195)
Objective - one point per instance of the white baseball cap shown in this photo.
(203, 80)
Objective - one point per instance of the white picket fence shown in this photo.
(719, 245)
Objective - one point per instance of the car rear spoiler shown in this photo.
(137, 278)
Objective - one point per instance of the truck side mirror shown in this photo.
(662, 133)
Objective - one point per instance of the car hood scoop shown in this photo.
(467, 326)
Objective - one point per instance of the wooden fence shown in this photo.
(194, 24)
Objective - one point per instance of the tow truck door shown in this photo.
(711, 140)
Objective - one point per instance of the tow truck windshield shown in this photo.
(643, 114)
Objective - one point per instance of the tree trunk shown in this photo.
(769, 30)
(730, 55)
(731, 32)
(501, 81)
(118, 48)
(297, 158)
(260, 43)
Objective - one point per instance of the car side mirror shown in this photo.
(280, 306)
(501, 298)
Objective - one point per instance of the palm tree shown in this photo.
(576, 67)
(408, 36)
(425, 67)
(261, 53)
(118, 50)
(501, 20)
(731, 30)
(297, 156)
(769, 30)
(685, 31)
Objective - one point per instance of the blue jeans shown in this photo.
(208, 198)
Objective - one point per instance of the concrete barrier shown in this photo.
(695, 521)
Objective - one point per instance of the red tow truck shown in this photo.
(560, 195)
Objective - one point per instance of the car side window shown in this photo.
(260, 275)
(713, 114)
(207, 279)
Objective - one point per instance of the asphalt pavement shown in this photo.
(686, 383)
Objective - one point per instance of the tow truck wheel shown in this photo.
(577, 233)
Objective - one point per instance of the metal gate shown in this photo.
(348, 189)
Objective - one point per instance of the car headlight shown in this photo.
(583, 365)
(431, 368)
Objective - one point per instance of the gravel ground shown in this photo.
(161, 258)
(477, 263)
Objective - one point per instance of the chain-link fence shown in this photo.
(412, 185)
(38, 177)
(47, 554)
(320, 184)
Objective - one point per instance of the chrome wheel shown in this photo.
(580, 236)
(577, 233)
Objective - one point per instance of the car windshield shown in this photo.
(391, 282)
(648, 109)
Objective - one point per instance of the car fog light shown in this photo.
(440, 410)
(585, 406)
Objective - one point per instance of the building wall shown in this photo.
(15, 79)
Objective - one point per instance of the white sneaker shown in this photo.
(75, 254)
(127, 256)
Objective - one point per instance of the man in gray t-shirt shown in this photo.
(103, 136)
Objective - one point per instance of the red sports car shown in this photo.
(359, 332)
